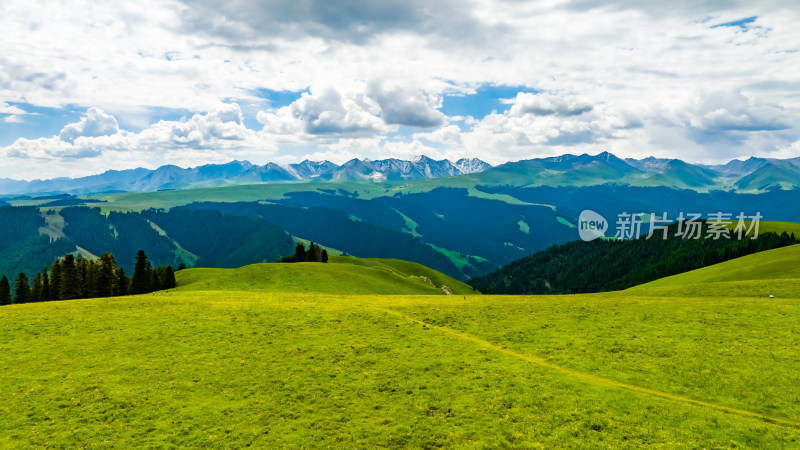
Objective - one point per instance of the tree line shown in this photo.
(314, 253)
(73, 278)
(610, 265)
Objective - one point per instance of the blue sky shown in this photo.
(192, 82)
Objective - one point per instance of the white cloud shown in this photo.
(545, 105)
(721, 111)
(95, 123)
(324, 112)
(5, 108)
(95, 140)
(407, 106)
(639, 77)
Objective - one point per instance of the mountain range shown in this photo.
(748, 176)
(244, 172)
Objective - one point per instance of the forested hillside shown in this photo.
(609, 265)
(22, 247)
(462, 231)
(31, 240)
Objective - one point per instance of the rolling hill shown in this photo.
(341, 275)
(609, 265)
(222, 362)
(773, 272)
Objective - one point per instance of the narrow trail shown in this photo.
(593, 378)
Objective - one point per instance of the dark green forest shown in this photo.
(314, 253)
(192, 238)
(71, 278)
(610, 265)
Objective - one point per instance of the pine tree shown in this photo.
(22, 290)
(55, 280)
(5, 291)
(123, 282)
(69, 288)
(82, 278)
(324, 256)
(300, 252)
(46, 293)
(36, 292)
(152, 278)
(155, 279)
(106, 283)
(182, 266)
(169, 278)
(311, 253)
(139, 282)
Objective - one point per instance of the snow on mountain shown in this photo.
(471, 165)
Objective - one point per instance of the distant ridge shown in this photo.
(753, 175)
(244, 172)
(749, 176)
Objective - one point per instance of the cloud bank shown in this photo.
(704, 81)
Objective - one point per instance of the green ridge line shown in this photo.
(592, 378)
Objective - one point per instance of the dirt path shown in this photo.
(593, 378)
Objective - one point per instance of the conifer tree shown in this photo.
(5, 291)
(46, 293)
(123, 282)
(155, 279)
(55, 280)
(36, 292)
(82, 278)
(182, 266)
(22, 290)
(311, 253)
(151, 277)
(69, 288)
(107, 284)
(300, 252)
(324, 256)
(139, 282)
(169, 278)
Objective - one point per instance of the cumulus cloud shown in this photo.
(324, 112)
(730, 111)
(637, 78)
(407, 106)
(5, 108)
(214, 136)
(95, 123)
(544, 105)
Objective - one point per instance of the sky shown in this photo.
(89, 86)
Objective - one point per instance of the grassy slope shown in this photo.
(234, 368)
(771, 226)
(773, 272)
(342, 275)
(215, 369)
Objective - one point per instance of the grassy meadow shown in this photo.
(245, 362)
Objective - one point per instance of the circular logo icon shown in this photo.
(591, 225)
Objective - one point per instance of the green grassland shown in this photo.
(773, 272)
(246, 362)
(341, 275)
